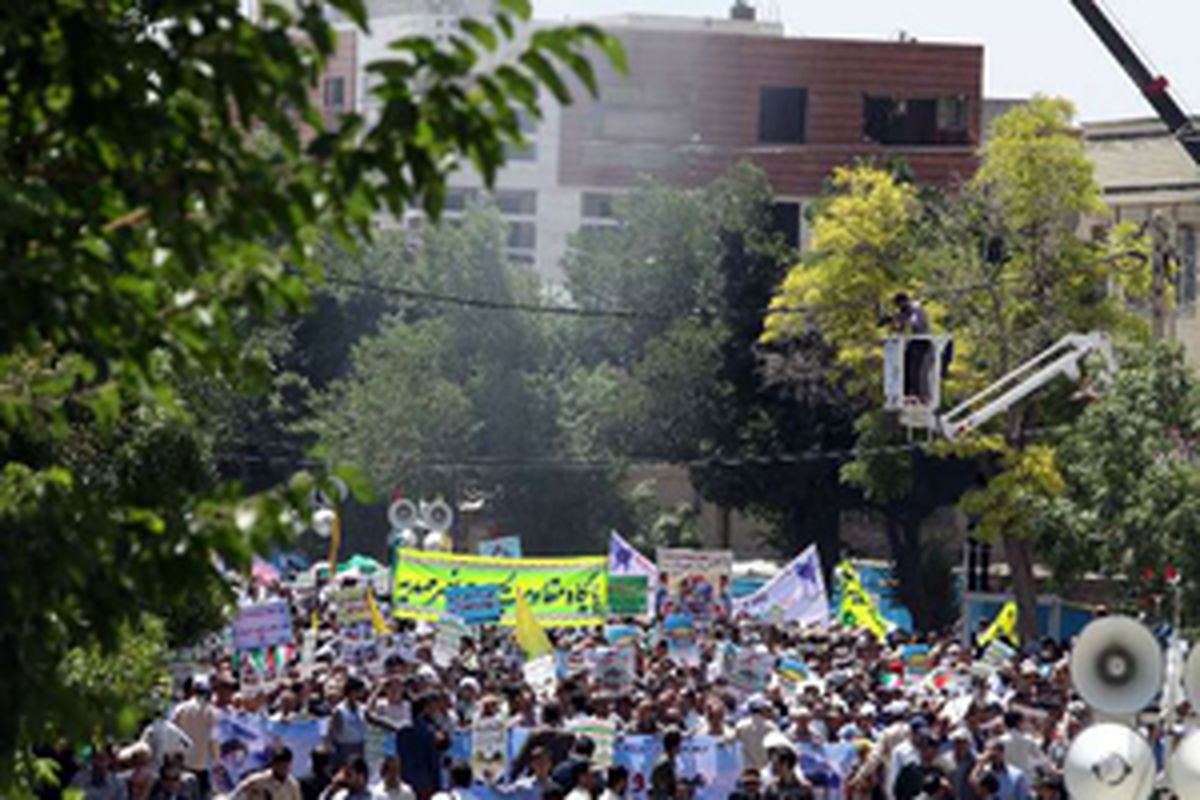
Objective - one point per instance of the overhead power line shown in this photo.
(485, 304)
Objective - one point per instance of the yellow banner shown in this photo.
(561, 592)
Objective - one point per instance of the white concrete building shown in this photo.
(1143, 171)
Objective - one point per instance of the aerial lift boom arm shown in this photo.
(1061, 359)
(1156, 88)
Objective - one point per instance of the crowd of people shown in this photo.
(861, 718)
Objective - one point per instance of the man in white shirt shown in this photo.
(752, 730)
(197, 718)
(390, 787)
(1020, 749)
(166, 739)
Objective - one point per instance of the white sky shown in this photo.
(1030, 45)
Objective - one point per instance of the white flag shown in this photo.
(795, 594)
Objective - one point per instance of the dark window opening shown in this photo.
(1185, 280)
(335, 93)
(596, 205)
(520, 202)
(785, 220)
(781, 114)
(916, 120)
(457, 199)
(522, 235)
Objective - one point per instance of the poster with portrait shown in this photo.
(695, 582)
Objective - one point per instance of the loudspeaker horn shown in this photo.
(438, 516)
(1109, 762)
(323, 520)
(402, 514)
(1183, 771)
(1117, 666)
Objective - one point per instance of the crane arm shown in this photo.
(1061, 358)
(1156, 88)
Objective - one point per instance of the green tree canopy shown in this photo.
(165, 178)
(1001, 266)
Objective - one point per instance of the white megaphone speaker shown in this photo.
(434, 541)
(1109, 762)
(1183, 770)
(1117, 666)
(402, 514)
(407, 538)
(323, 520)
(438, 516)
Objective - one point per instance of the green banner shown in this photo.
(561, 591)
(627, 595)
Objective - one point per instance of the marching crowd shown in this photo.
(861, 719)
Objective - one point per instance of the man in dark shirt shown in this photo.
(924, 778)
(312, 784)
(420, 764)
(664, 780)
(910, 319)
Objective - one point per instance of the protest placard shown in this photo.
(917, 660)
(262, 625)
(501, 547)
(351, 602)
(477, 604)
(603, 734)
(613, 669)
(447, 641)
(997, 654)
(627, 595)
(679, 631)
(560, 591)
(694, 581)
(489, 749)
(752, 669)
(619, 635)
(542, 675)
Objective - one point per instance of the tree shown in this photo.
(448, 394)
(165, 179)
(1129, 507)
(1002, 267)
(687, 383)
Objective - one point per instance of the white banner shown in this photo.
(796, 594)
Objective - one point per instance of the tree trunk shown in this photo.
(904, 543)
(1019, 554)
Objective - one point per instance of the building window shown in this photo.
(335, 93)
(521, 257)
(598, 205)
(522, 235)
(528, 125)
(458, 198)
(1186, 279)
(781, 114)
(786, 221)
(940, 120)
(516, 202)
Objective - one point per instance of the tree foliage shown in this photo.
(688, 383)
(447, 395)
(165, 177)
(1001, 266)
(1129, 508)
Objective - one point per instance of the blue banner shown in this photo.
(474, 604)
